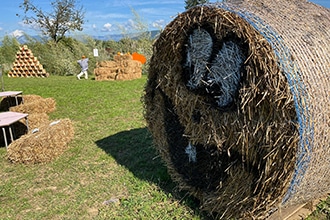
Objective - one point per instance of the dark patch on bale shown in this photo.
(243, 141)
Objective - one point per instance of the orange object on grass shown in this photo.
(139, 57)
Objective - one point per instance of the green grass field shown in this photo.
(109, 171)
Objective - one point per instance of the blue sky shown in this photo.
(104, 17)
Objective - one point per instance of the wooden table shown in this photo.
(12, 94)
(9, 118)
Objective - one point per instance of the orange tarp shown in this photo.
(139, 57)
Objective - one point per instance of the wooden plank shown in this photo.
(296, 212)
(286, 213)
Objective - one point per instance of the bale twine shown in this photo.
(43, 144)
(237, 101)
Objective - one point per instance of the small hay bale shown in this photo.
(31, 98)
(109, 64)
(38, 105)
(237, 101)
(122, 57)
(42, 146)
(105, 73)
(36, 120)
(8, 102)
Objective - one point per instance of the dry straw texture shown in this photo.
(123, 67)
(45, 140)
(35, 104)
(42, 146)
(237, 101)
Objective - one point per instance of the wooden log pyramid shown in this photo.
(27, 65)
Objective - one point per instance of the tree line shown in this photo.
(59, 52)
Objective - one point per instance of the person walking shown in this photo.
(84, 67)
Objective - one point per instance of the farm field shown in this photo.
(110, 169)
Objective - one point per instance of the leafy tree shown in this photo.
(192, 3)
(8, 49)
(64, 17)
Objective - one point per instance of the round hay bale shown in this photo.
(38, 105)
(42, 145)
(237, 101)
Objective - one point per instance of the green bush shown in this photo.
(61, 58)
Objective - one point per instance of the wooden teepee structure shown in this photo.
(27, 65)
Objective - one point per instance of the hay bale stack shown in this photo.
(123, 67)
(42, 146)
(36, 106)
(237, 101)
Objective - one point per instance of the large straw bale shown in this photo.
(49, 142)
(237, 102)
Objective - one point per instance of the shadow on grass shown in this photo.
(134, 150)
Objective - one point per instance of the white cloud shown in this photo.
(159, 24)
(132, 24)
(17, 33)
(100, 15)
(107, 27)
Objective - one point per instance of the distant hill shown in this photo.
(117, 37)
(22, 39)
